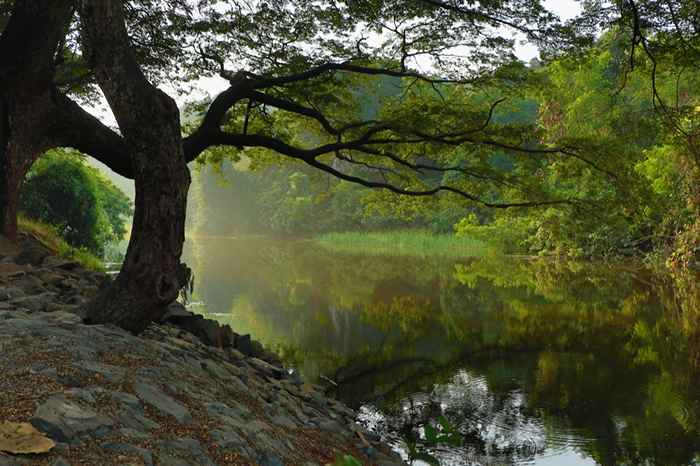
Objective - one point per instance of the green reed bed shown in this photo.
(417, 243)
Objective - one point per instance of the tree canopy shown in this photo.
(414, 97)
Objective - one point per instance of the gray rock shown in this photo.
(66, 421)
(81, 394)
(34, 303)
(126, 399)
(59, 462)
(130, 450)
(6, 460)
(131, 433)
(243, 344)
(267, 459)
(187, 447)
(113, 374)
(215, 369)
(33, 253)
(162, 402)
(169, 460)
(11, 292)
(134, 420)
(266, 368)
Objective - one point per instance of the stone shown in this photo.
(266, 368)
(188, 447)
(162, 402)
(135, 421)
(10, 269)
(55, 262)
(130, 450)
(244, 345)
(267, 459)
(11, 292)
(59, 462)
(66, 421)
(170, 460)
(126, 399)
(6, 460)
(113, 374)
(33, 253)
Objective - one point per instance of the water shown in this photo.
(528, 362)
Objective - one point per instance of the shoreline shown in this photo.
(164, 397)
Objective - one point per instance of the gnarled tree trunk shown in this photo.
(151, 275)
(27, 48)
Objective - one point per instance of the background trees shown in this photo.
(440, 115)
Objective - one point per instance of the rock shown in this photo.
(186, 447)
(6, 460)
(113, 374)
(130, 450)
(170, 460)
(162, 402)
(59, 462)
(267, 459)
(135, 421)
(210, 332)
(244, 345)
(266, 369)
(175, 310)
(66, 421)
(10, 269)
(55, 262)
(126, 399)
(33, 253)
(11, 292)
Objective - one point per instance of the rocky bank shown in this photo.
(107, 397)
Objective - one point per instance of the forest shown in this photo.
(458, 220)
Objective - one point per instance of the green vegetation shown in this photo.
(413, 243)
(82, 206)
(620, 177)
(51, 238)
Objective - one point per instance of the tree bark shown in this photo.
(27, 48)
(151, 276)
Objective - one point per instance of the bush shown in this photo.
(84, 207)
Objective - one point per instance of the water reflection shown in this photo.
(532, 362)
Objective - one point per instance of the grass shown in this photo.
(415, 243)
(52, 240)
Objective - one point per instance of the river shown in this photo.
(523, 361)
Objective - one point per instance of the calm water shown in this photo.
(530, 362)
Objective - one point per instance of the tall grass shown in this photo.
(416, 243)
(52, 240)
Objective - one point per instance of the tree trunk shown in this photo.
(151, 276)
(27, 47)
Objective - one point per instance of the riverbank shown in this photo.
(107, 397)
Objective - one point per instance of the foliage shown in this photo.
(84, 207)
(50, 237)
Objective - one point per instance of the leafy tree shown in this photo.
(293, 67)
(87, 209)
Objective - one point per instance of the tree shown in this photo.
(292, 66)
(88, 211)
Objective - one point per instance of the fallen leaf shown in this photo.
(23, 438)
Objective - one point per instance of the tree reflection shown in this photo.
(601, 359)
